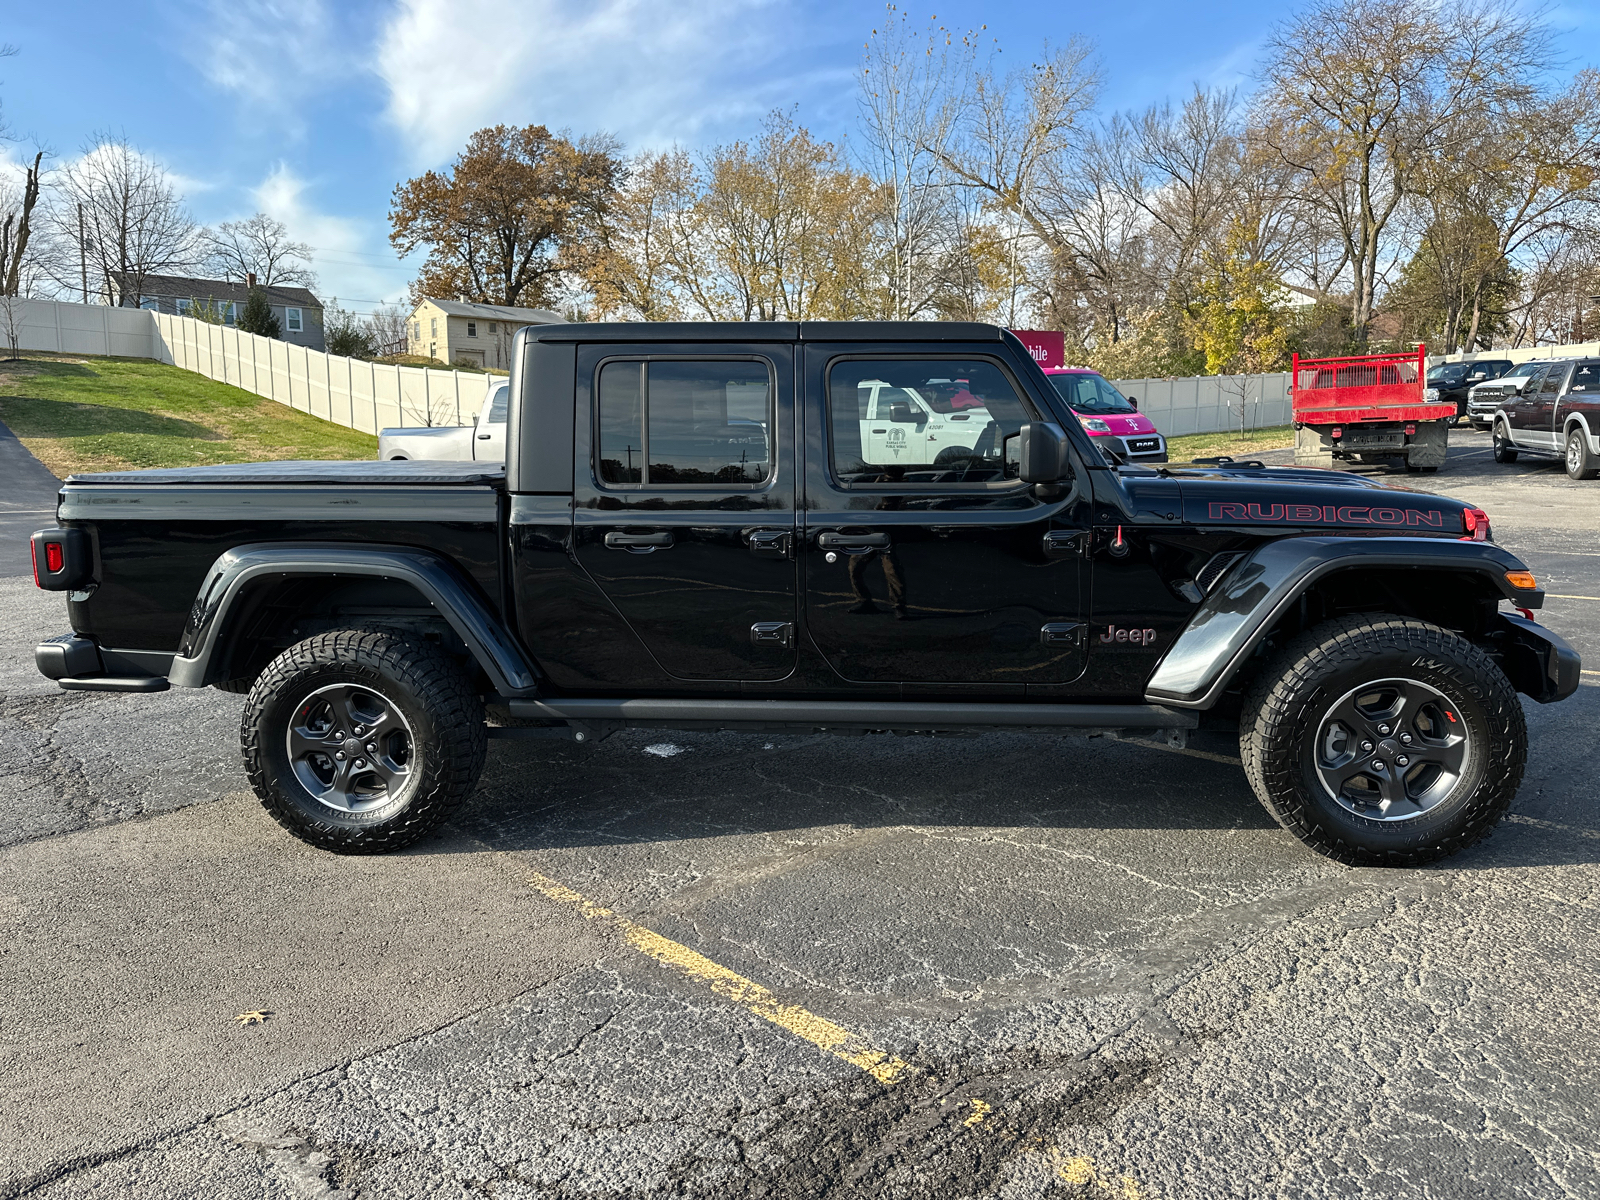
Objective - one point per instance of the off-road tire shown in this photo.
(1503, 450)
(1284, 709)
(1578, 460)
(434, 695)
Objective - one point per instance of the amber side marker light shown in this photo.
(1521, 579)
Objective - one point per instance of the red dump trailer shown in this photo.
(1368, 407)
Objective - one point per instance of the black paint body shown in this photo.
(987, 592)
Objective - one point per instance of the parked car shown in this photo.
(1450, 383)
(1108, 415)
(623, 568)
(482, 441)
(1555, 412)
(1483, 399)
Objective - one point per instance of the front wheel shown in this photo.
(1504, 451)
(1384, 740)
(361, 741)
(1581, 462)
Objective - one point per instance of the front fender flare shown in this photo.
(1239, 612)
(438, 580)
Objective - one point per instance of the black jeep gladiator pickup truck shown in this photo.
(698, 526)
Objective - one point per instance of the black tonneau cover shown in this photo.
(400, 473)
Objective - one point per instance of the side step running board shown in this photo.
(852, 714)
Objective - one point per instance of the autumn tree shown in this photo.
(642, 253)
(516, 208)
(1361, 97)
(259, 245)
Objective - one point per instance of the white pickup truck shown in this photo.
(482, 441)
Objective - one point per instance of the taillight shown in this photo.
(62, 559)
(1476, 522)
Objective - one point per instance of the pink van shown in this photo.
(1105, 412)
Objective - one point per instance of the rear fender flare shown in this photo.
(440, 582)
(1260, 589)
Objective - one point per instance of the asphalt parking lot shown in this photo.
(741, 966)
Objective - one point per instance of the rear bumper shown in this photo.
(1539, 663)
(79, 665)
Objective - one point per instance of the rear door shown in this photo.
(684, 502)
(1582, 399)
(944, 572)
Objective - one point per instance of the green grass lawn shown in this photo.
(1211, 445)
(106, 414)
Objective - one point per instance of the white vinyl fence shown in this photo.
(347, 391)
(1211, 403)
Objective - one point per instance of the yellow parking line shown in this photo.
(819, 1031)
(1559, 596)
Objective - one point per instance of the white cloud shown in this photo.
(349, 256)
(272, 52)
(653, 72)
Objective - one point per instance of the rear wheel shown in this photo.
(1504, 451)
(361, 741)
(1384, 740)
(1581, 462)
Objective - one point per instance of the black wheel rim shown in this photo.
(1391, 750)
(350, 748)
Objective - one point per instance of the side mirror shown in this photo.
(1134, 400)
(1041, 453)
(900, 413)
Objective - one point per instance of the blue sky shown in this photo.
(313, 110)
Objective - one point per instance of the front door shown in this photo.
(1541, 410)
(926, 561)
(684, 503)
(1519, 408)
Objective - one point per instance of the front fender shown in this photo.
(438, 580)
(1239, 612)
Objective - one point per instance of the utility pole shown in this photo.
(83, 258)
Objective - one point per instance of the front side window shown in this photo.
(666, 422)
(923, 421)
(292, 320)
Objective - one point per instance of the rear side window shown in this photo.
(1552, 381)
(1586, 378)
(703, 423)
(927, 421)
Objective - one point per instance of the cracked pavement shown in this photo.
(1111, 973)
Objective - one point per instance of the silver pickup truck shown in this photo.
(482, 441)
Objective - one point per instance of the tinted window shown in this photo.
(669, 422)
(1586, 378)
(932, 421)
(1552, 381)
(1091, 394)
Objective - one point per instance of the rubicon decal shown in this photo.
(1328, 514)
(1137, 637)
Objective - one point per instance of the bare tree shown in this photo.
(11, 324)
(388, 325)
(259, 246)
(16, 229)
(119, 211)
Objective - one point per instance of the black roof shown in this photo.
(768, 331)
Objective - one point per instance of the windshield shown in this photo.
(1091, 394)
(1448, 373)
(1522, 372)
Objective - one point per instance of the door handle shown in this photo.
(1061, 633)
(772, 542)
(639, 542)
(1066, 541)
(484, 437)
(853, 541)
